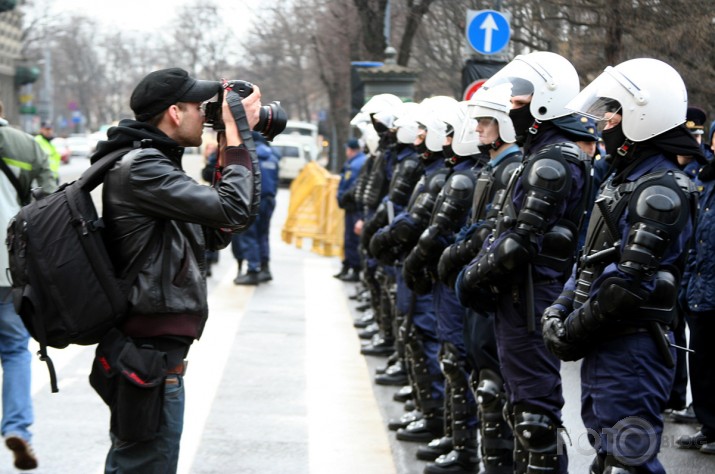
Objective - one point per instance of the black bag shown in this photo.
(64, 285)
(130, 380)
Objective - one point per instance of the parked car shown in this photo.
(293, 158)
(62, 148)
(79, 144)
(304, 133)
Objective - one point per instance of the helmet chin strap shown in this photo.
(625, 148)
(496, 144)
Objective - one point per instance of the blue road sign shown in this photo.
(488, 31)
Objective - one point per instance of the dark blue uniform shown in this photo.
(254, 242)
(348, 178)
(623, 402)
(531, 373)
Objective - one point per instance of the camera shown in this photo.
(272, 119)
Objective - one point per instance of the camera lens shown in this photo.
(272, 120)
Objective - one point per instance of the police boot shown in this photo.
(444, 444)
(264, 274)
(395, 374)
(351, 275)
(249, 278)
(370, 331)
(378, 346)
(461, 460)
(403, 394)
(613, 466)
(423, 430)
(392, 360)
(367, 319)
(402, 422)
(436, 448)
(342, 272)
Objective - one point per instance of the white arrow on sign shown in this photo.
(488, 25)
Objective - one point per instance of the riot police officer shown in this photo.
(525, 262)
(420, 271)
(616, 309)
(488, 111)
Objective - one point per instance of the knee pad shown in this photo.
(536, 431)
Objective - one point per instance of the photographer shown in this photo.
(149, 202)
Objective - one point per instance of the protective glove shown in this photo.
(556, 338)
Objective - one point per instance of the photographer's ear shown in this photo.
(174, 113)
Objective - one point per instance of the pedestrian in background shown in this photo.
(354, 161)
(697, 300)
(254, 243)
(23, 162)
(44, 138)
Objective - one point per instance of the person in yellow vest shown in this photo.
(44, 138)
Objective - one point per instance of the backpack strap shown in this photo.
(94, 175)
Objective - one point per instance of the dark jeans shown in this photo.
(160, 455)
(702, 369)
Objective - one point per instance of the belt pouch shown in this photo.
(137, 410)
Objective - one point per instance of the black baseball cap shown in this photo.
(165, 87)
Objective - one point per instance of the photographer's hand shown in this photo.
(252, 105)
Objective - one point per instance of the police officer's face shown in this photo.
(488, 129)
(519, 101)
(611, 119)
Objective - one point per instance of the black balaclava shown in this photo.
(522, 120)
(613, 138)
(421, 148)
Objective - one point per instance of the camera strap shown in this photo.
(239, 115)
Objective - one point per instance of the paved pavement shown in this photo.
(276, 385)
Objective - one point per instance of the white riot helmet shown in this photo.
(371, 138)
(360, 119)
(431, 115)
(368, 134)
(652, 96)
(406, 123)
(494, 102)
(381, 102)
(551, 79)
(381, 108)
(466, 139)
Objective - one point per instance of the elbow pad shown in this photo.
(404, 180)
(419, 264)
(453, 202)
(375, 223)
(547, 183)
(658, 212)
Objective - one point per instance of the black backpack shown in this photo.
(64, 286)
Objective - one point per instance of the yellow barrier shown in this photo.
(313, 212)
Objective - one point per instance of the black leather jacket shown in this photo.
(148, 199)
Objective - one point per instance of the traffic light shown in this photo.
(26, 74)
(7, 5)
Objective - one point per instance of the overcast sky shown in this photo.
(148, 15)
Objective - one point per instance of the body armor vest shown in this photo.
(491, 185)
(602, 244)
(559, 244)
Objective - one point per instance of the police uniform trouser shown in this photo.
(624, 386)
